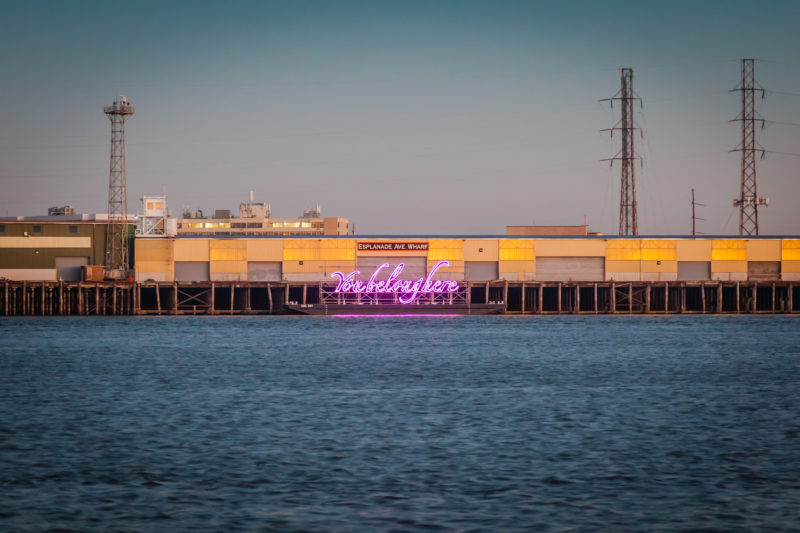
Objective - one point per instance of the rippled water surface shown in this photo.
(374, 424)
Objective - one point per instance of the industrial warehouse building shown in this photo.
(602, 258)
(50, 248)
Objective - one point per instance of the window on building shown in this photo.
(37, 228)
(2, 228)
(73, 229)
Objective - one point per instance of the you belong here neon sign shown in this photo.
(409, 289)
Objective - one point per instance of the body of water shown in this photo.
(382, 423)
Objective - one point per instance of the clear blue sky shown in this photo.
(405, 117)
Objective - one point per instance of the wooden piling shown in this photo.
(541, 298)
(613, 302)
(630, 298)
(773, 296)
(158, 298)
(738, 298)
(703, 296)
(683, 298)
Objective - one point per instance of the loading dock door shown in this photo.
(415, 267)
(763, 270)
(264, 271)
(191, 271)
(69, 268)
(570, 269)
(480, 270)
(694, 270)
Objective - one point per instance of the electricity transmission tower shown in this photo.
(116, 233)
(628, 211)
(695, 218)
(748, 200)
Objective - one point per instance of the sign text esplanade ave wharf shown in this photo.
(392, 246)
(409, 289)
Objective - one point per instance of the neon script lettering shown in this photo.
(409, 289)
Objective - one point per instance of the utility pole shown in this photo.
(694, 216)
(748, 200)
(116, 263)
(628, 211)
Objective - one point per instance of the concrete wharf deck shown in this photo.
(44, 298)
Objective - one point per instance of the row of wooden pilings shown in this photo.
(32, 298)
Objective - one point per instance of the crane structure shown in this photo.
(628, 210)
(748, 200)
(116, 260)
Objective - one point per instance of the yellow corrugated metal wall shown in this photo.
(154, 259)
(790, 260)
(729, 259)
(228, 259)
(517, 259)
(451, 250)
(625, 259)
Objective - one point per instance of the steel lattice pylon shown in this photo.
(116, 232)
(748, 200)
(628, 211)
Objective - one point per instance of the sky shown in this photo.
(407, 117)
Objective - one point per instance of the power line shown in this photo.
(783, 92)
(780, 122)
(781, 153)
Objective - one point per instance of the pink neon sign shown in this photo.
(409, 289)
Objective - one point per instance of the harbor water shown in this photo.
(400, 423)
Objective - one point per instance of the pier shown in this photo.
(48, 298)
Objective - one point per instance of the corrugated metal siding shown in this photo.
(415, 267)
(570, 269)
(694, 270)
